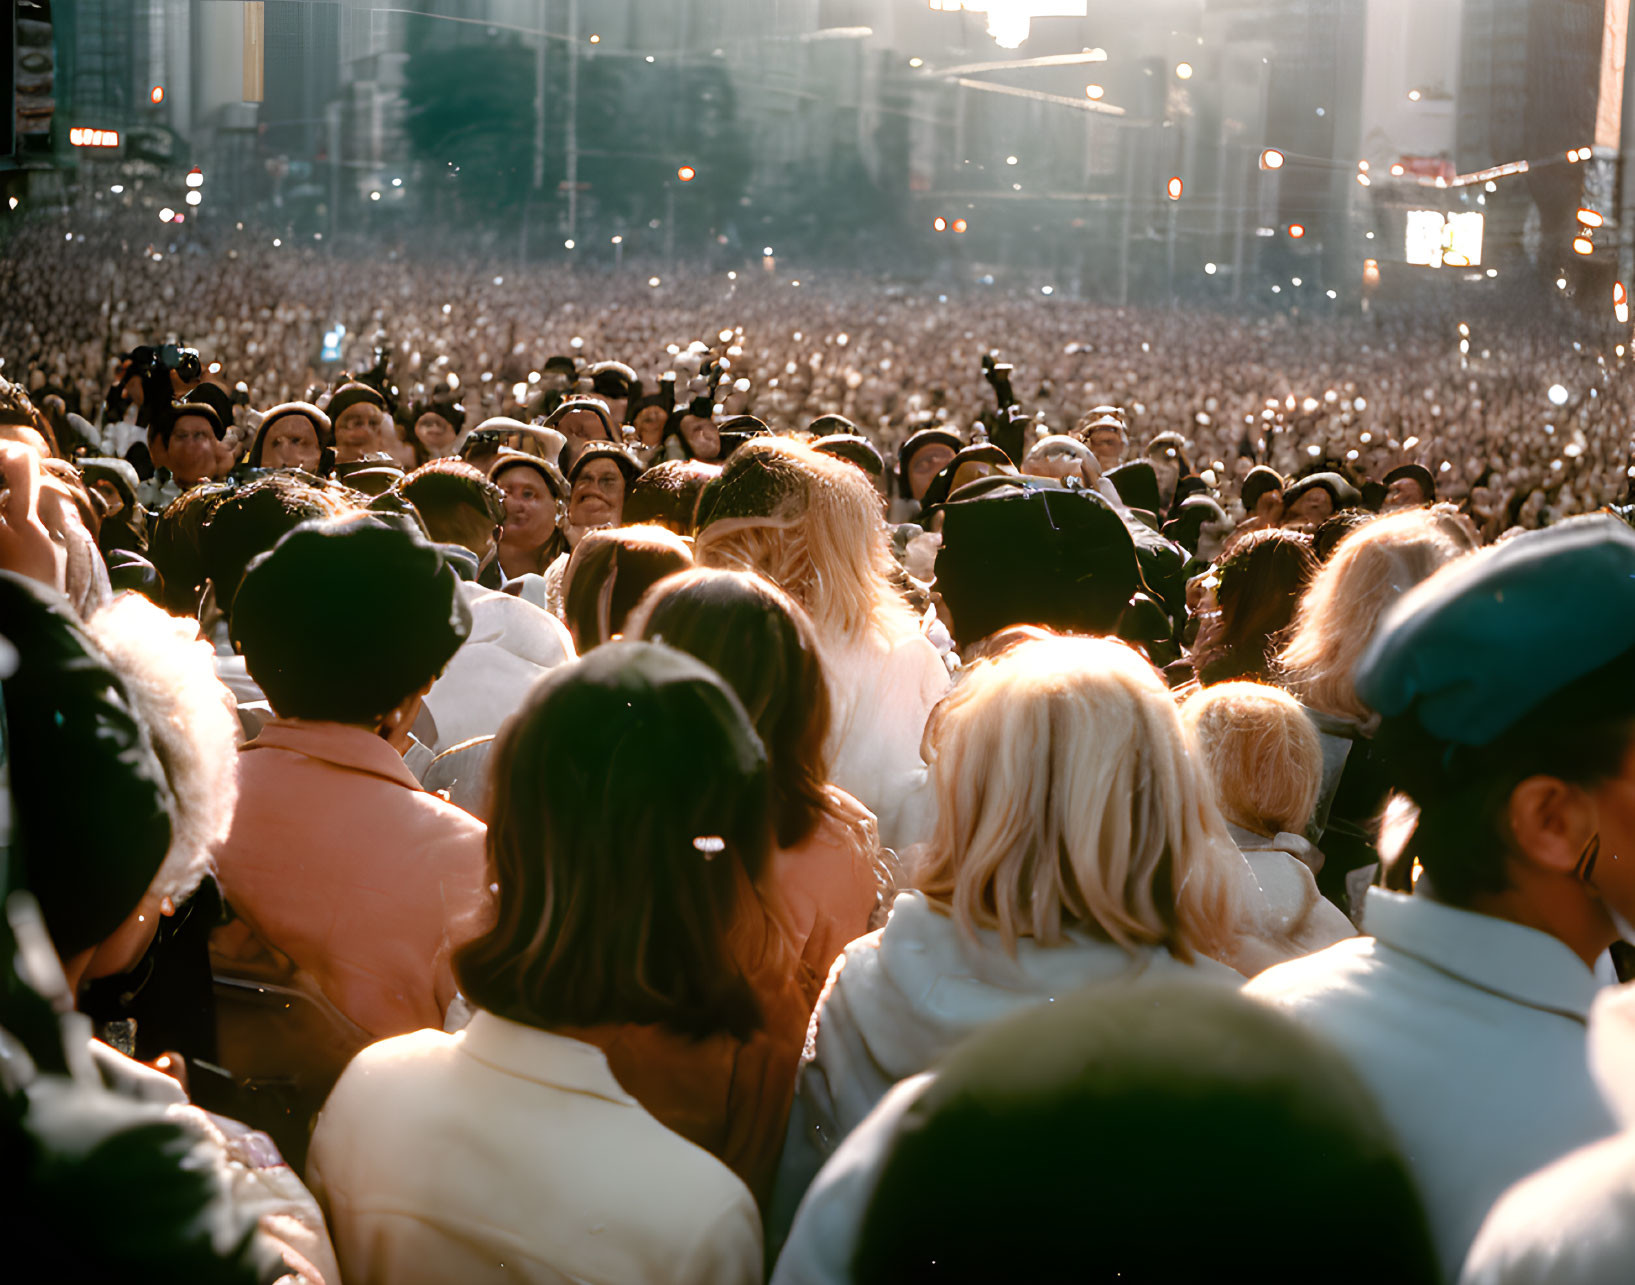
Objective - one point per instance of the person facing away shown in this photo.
(336, 858)
(1508, 719)
(1189, 1097)
(828, 878)
(1058, 745)
(514, 1149)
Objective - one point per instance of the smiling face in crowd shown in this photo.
(598, 495)
(530, 508)
(436, 434)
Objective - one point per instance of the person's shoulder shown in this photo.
(1570, 1223)
(1318, 979)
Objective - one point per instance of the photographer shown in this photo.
(146, 383)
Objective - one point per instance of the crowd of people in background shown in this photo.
(626, 779)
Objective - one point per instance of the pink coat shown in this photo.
(824, 892)
(339, 860)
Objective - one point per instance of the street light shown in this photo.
(193, 198)
(1174, 188)
(1271, 159)
(1183, 71)
(686, 173)
(939, 224)
(1590, 219)
(166, 214)
(1095, 92)
(960, 225)
(1297, 230)
(157, 94)
(195, 177)
(1583, 245)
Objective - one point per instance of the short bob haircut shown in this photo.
(1067, 795)
(617, 874)
(609, 572)
(1370, 569)
(756, 637)
(1261, 750)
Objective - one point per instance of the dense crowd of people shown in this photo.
(721, 780)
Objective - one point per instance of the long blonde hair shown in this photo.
(1067, 795)
(833, 558)
(1369, 570)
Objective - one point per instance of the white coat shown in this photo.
(900, 997)
(1470, 1032)
(881, 693)
(506, 1153)
(511, 644)
(1573, 1223)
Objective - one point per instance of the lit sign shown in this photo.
(81, 137)
(1434, 239)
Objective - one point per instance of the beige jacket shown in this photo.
(506, 1153)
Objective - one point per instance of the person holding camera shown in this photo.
(185, 448)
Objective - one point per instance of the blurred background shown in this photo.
(1274, 153)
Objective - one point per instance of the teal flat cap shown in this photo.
(1488, 639)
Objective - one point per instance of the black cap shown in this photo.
(345, 618)
(1419, 474)
(1018, 554)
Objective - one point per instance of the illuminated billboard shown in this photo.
(1433, 239)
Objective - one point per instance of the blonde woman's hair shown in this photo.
(1369, 570)
(1262, 753)
(171, 674)
(833, 558)
(1067, 795)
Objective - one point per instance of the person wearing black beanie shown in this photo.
(916, 467)
(1409, 486)
(617, 385)
(392, 596)
(345, 624)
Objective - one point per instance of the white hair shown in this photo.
(171, 675)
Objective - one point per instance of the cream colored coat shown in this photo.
(504, 1154)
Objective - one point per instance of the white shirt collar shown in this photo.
(532, 1054)
(1502, 958)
